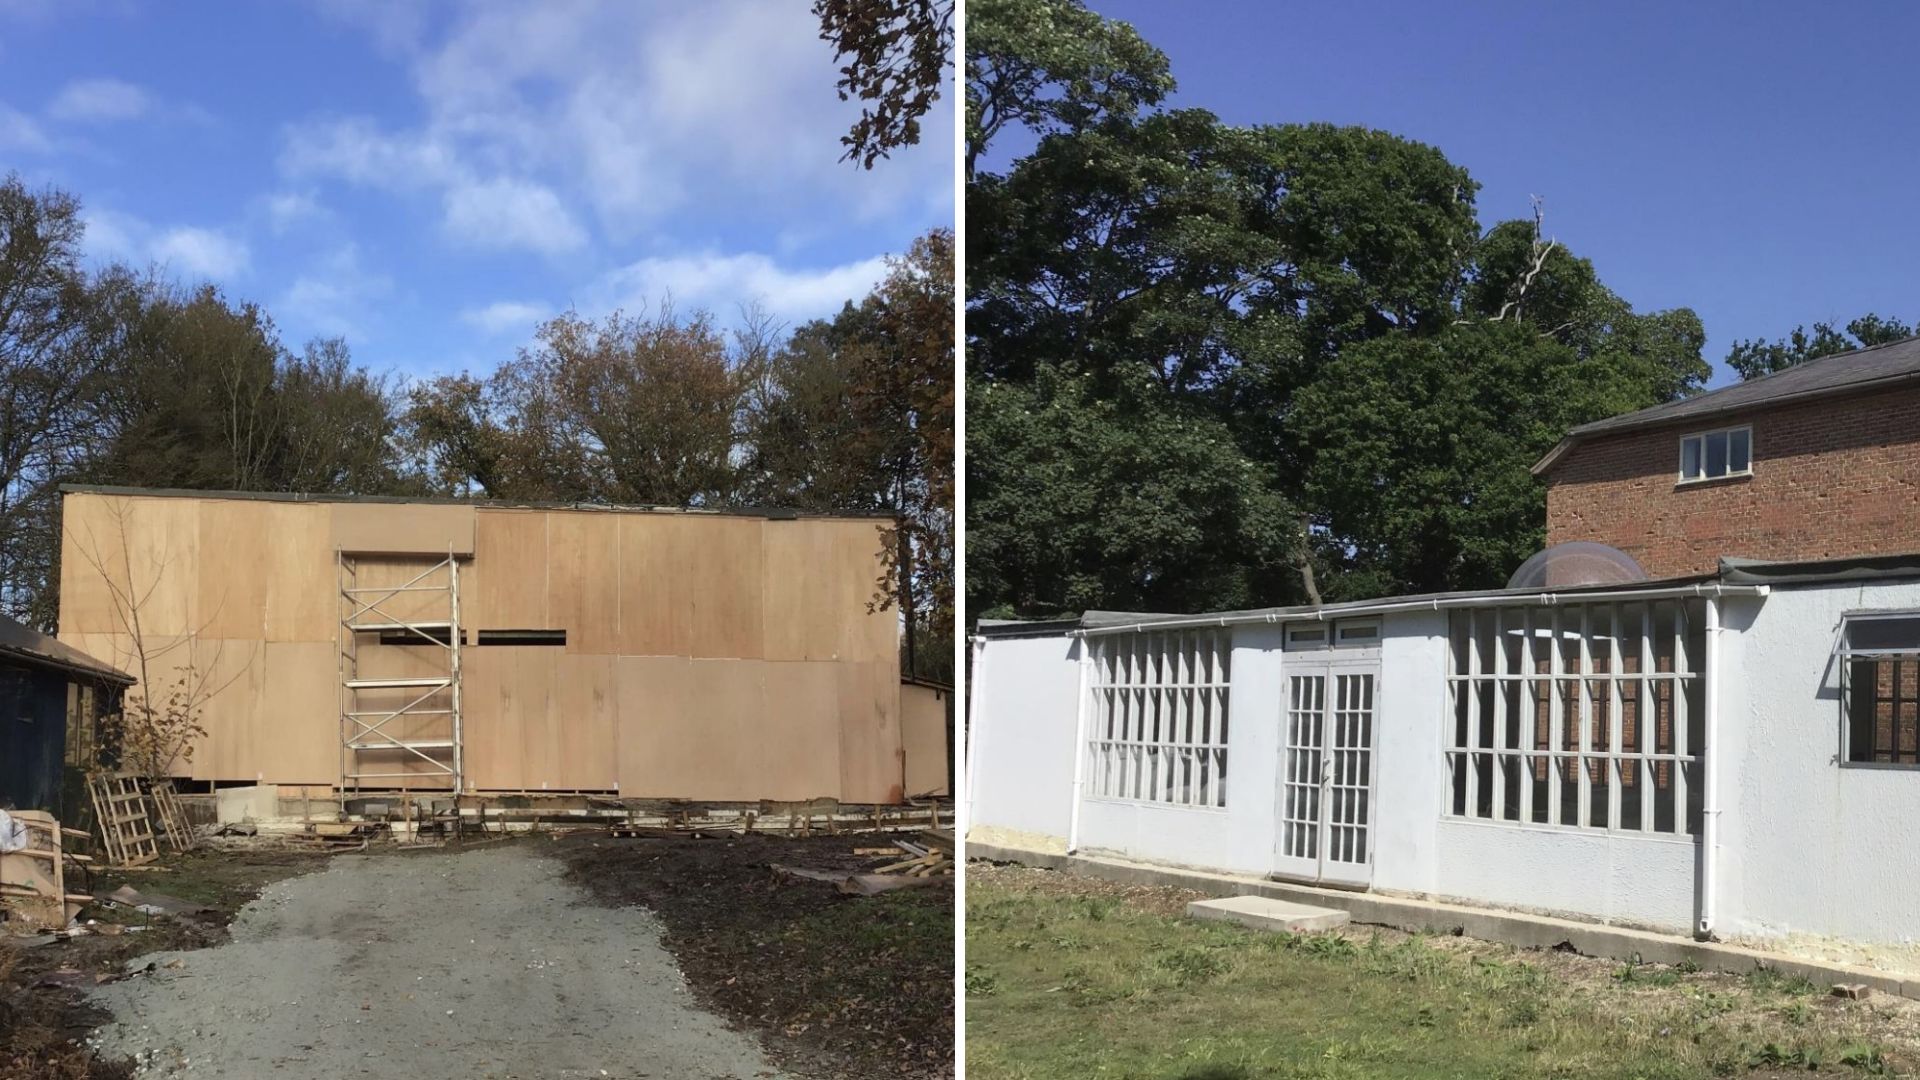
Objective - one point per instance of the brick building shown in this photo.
(1819, 461)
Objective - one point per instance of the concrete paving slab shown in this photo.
(1265, 913)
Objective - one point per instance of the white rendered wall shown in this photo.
(1240, 836)
(1025, 694)
(1809, 846)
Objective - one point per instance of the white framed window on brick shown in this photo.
(1158, 718)
(1582, 715)
(1880, 687)
(1713, 455)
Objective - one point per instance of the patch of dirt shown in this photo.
(836, 985)
(43, 1028)
(1153, 899)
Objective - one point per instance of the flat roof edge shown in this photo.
(769, 513)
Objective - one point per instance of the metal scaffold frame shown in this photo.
(364, 730)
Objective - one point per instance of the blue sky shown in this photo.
(429, 180)
(1756, 162)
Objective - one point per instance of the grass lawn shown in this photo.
(1071, 977)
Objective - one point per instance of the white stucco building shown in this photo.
(1735, 755)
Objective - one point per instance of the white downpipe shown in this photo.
(1710, 796)
(1079, 747)
(972, 735)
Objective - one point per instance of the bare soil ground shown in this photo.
(42, 1028)
(835, 986)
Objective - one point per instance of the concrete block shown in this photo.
(237, 804)
(1263, 913)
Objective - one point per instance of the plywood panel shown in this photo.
(798, 734)
(726, 590)
(872, 769)
(297, 723)
(689, 728)
(491, 740)
(583, 579)
(821, 579)
(225, 681)
(425, 598)
(236, 544)
(303, 585)
(656, 613)
(401, 528)
(585, 706)
(510, 556)
(529, 704)
(923, 739)
(146, 549)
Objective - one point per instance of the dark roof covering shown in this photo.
(24, 643)
(771, 513)
(1904, 567)
(1841, 373)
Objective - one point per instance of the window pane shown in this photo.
(1900, 633)
(1739, 451)
(1717, 454)
(1690, 457)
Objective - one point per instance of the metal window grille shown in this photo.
(1584, 715)
(1880, 689)
(1158, 718)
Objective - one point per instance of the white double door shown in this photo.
(1326, 770)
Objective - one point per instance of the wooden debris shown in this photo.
(33, 880)
(120, 813)
(1852, 991)
(171, 815)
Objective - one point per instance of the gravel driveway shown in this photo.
(478, 964)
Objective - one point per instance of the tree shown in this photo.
(1307, 301)
(52, 360)
(1752, 359)
(1421, 448)
(855, 415)
(1051, 66)
(1079, 497)
(896, 52)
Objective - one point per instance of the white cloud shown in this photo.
(630, 111)
(19, 132)
(511, 214)
(720, 283)
(507, 316)
(286, 209)
(100, 100)
(190, 251)
(201, 253)
(333, 296)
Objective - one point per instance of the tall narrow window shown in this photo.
(1589, 715)
(1158, 717)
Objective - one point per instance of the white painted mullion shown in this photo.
(1500, 746)
(1615, 721)
(1556, 720)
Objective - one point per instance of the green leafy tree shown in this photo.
(1752, 359)
(1316, 305)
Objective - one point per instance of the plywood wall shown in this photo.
(923, 738)
(707, 656)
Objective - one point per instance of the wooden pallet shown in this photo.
(120, 813)
(171, 815)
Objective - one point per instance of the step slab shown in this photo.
(1263, 914)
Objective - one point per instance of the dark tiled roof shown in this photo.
(1841, 373)
(21, 642)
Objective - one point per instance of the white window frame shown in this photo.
(1158, 718)
(1903, 692)
(1702, 436)
(1588, 701)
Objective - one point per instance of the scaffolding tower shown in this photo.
(399, 732)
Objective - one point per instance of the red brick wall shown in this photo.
(1831, 478)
